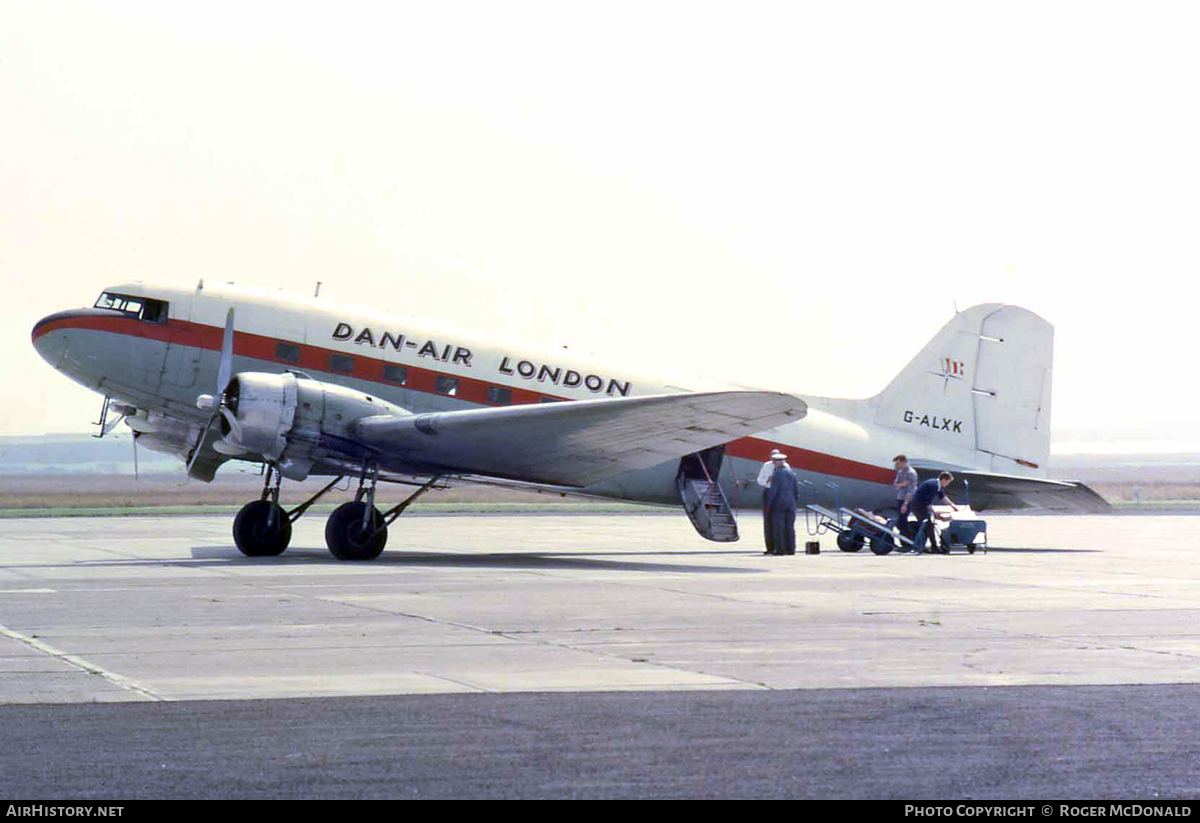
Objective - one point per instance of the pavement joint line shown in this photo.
(127, 683)
(542, 641)
(463, 683)
(1072, 640)
(641, 661)
(527, 641)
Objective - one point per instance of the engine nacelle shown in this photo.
(291, 420)
(263, 409)
(163, 434)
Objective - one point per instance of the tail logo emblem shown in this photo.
(949, 369)
(953, 368)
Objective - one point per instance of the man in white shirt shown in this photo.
(764, 480)
(768, 468)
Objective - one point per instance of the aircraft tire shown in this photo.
(345, 537)
(252, 534)
(850, 543)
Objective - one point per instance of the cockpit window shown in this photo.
(129, 305)
(152, 311)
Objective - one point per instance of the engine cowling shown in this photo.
(162, 434)
(291, 420)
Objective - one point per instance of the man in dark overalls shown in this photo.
(777, 458)
(923, 497)
(781, 505)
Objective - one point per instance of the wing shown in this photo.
(999, 492)
(576, 443)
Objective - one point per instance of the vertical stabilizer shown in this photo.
(983, 382)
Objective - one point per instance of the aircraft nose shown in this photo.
(52, 334)
(50, 338)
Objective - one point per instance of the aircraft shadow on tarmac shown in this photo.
(226, 555)
(532, 560)
(1009, 549)
(498, 560)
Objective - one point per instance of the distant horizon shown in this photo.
(1128, 446)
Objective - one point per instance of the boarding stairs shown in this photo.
(709, 511)
(703, 499)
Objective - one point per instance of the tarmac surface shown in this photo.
(597, 656)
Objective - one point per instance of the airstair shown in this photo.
(702, 496)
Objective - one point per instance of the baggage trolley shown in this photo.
(968, 533)
(857, 528)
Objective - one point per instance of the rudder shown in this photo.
(983, 382)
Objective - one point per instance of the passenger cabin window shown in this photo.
(550, 400)
(395, 374)
(499, 396)
(341, 363)
(152, 311)
(447, 385)
(287, 352)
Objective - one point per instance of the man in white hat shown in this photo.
(768, 468)
(764, 480)
(783, 495)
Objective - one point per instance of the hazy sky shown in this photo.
(789, 194)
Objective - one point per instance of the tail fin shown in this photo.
(983, 382)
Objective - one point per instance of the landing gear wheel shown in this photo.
(850, 542)
(346, 538)
(256, 535)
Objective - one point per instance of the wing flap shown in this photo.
(577, 443)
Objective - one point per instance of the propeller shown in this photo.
(216, 403)
(136, 435)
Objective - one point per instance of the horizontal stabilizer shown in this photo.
(578, 443)
(1003, 492)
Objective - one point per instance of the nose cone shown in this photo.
(54, 334)
(50, 337)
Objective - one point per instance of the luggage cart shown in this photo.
(959, 530)
(855, 528)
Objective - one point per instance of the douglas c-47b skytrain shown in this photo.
(218, 373)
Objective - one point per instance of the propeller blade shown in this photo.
(226, 369)
(200, 442)
(136, 435)
(206, 402)
(235, 428)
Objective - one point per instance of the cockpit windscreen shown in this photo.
(152, 311)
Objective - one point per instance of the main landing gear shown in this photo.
(355, 531)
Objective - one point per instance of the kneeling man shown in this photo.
(925, 494)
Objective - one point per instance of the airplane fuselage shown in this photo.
(162, 363)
